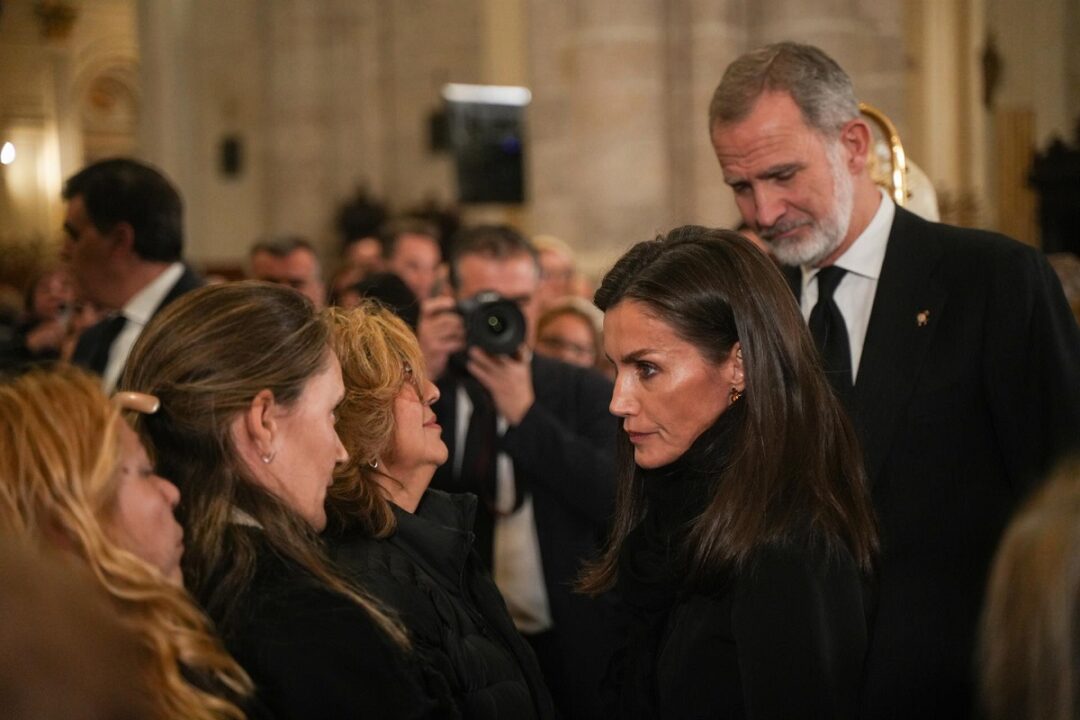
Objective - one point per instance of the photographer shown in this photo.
(532, 437)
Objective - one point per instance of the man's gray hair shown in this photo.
(819, 86)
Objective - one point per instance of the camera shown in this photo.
(492, 323)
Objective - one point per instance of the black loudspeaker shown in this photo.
(488, 142)
(231, 156)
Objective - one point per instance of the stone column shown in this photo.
(599, 173)
(864, 36)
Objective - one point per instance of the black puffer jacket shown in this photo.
(428, 572)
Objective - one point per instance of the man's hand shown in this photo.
(440, 332)
(46, 336)
(508, 378)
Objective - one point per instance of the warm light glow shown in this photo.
(7, 154)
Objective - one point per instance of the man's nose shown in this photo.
(769, 206)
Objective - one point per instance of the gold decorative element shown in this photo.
(895, 179)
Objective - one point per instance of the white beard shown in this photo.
(825, 235)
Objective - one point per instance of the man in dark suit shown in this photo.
(124, 227)
(953, 350)
(533, 438)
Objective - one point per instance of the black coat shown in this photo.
(564, 453)
(428, 573)
(968, 389)
(315, 655)
(92, 352)
(784, 636)
(785, 640)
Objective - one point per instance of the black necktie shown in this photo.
(110, 329)
(830, 333)
(478, 469)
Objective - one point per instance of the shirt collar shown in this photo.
(867, 254)
(140, 308)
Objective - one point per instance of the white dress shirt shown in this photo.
(137, 313)
(855, 293)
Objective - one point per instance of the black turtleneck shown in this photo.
(654, 560)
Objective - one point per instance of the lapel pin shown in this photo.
(922, 318)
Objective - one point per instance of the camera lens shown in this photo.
(493, 323)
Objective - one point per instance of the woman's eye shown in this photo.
(647, 370)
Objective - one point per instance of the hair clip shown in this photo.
(137, 401)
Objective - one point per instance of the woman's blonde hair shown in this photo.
(1029, 648)
(207, 356)
(60, 440)
(378, 354)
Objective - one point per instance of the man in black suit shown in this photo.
(124, 228)
(533, 438)
(953, 350)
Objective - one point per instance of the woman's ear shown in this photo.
(258, 426)
(738, 374)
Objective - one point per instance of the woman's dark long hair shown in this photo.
(206, 356)
(795, 462)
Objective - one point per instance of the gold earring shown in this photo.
(735, 394)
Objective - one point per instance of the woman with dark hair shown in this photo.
(743, 534)
(412, 546)
(249, 386)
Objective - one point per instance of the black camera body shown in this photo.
(492, 323)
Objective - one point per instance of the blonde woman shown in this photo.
(1029, 648)
(249, 387)
(413, 547)
(74, 477)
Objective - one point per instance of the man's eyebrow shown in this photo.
(778, 170)
(769, 173)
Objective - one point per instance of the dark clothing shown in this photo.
(16, 357)
(785, 637)
(563, 455)
(967, 390)
(429, 574)
(92, 350)
(316, 655)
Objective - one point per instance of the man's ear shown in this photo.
(259, 423)
(857, 139)
(123, 237)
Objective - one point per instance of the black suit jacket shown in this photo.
(968, 388)
(563, 451)
(90, 342)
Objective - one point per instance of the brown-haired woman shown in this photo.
(1029, 645)
(743, 533)
(74, 477)
(413, 547)
(249, 386)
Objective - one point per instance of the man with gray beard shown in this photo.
(953, 350)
